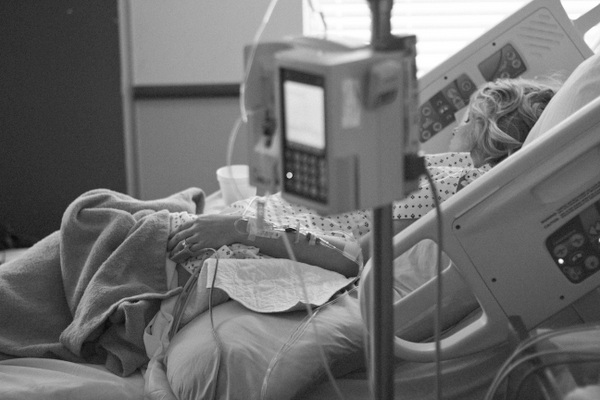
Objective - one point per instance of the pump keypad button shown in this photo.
(306, 175)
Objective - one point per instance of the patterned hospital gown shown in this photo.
(450, 172)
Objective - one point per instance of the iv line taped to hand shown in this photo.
(351, 250)
(258, 227)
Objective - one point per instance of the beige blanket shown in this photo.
(86, 292)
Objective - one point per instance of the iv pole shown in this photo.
(381, 342)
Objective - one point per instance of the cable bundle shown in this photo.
(552, 365)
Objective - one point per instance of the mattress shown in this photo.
(48, 379)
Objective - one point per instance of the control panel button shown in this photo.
(591, 263)
(577, 240)
(504, 63)
(306, 174)
(574, 246)
(439, 110)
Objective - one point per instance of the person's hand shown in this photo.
(204, 232)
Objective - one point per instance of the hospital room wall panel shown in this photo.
(182, 67)
(190, 41)
(183, 141)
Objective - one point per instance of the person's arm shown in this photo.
(304, 251)
(214, 231)
(365, 241)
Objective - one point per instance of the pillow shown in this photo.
(582, 86)
(270, 356)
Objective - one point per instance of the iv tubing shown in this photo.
(255, 42)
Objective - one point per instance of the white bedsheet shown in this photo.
(47, 379)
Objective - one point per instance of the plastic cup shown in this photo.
(234, 181)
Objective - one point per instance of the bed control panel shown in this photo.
(575, 247)
(505, 63)
(439, 111)
(538, 39)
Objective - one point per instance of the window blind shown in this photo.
(442, 27)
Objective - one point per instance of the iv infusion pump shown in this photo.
(345, 125)
(340, 118)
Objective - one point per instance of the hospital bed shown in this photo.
(253, 340)
(277, 355)
(466, 376)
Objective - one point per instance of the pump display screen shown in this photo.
(304, 111)
(303, 127)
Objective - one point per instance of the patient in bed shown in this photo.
(100, 279)
(497, 121)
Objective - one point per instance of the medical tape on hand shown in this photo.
(260, 215)
(264, 230)
(297, 231)
(311, 238)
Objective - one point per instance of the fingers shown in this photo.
(179, 257)
(182, 251)
(174, 241)
(210, 231)
(191, 241)
(178, 235)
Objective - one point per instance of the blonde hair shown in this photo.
(503, 112)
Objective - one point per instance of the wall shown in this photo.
(61, 129)
(186, 63)
(183, 141)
